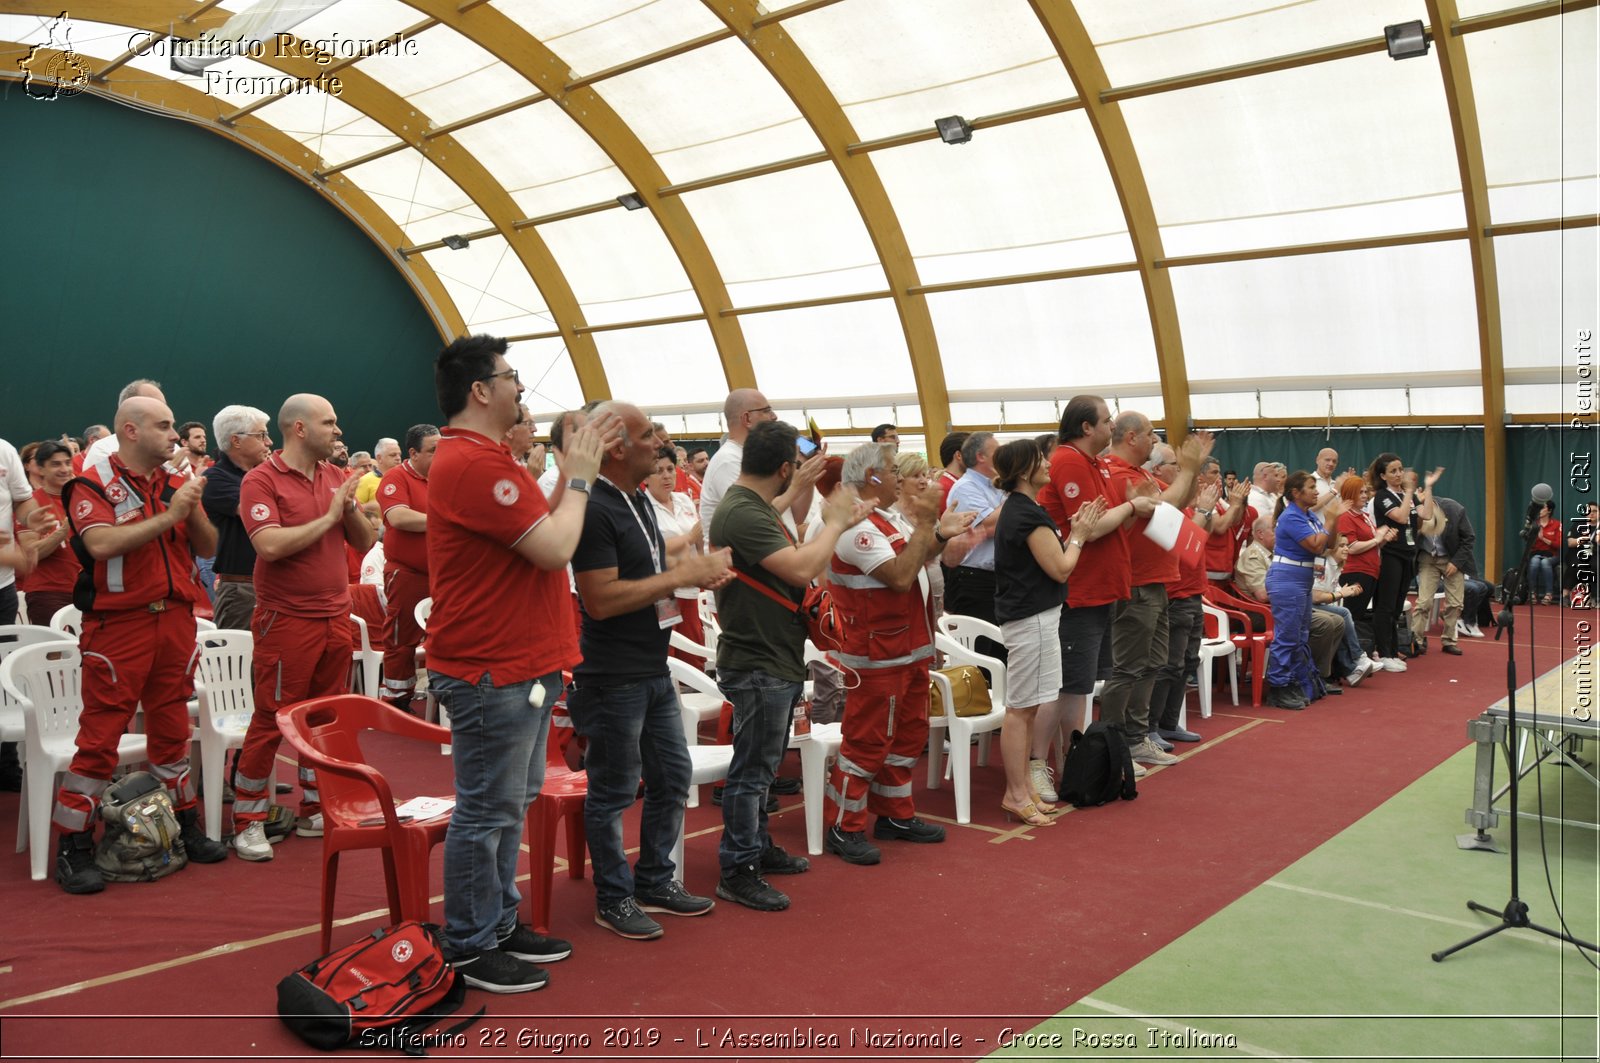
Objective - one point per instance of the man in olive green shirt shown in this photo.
(761, 650)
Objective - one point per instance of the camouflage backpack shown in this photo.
(141, 842)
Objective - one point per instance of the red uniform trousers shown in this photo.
(296, 658)
(131, 658)
(403, 588)
(885, 728)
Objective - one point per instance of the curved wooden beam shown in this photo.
(1442, 14)
(288, 154)
(405, 122)
(783, 59)
(1060, 20)
(507, 41)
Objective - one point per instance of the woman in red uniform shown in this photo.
(1546, 554)
(49, 585)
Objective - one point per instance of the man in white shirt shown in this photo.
(742, 409)
(1266, 486)
(1327, 461)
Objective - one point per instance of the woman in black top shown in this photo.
(1395, 504)
(1031, 566)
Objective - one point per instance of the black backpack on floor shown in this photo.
(1099, 768)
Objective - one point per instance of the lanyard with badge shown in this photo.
(667, 612)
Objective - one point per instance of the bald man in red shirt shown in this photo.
(299, 511)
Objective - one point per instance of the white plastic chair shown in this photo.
(14, 637)
(68, 620)
(226, 692)
(435, 711)
(365, 660)
(1212, 648)
(46, 680)
(708, 764)
(957, 639)
(708, 622)
(703, 701)
(817, 749)
(202, 624)
(423, 610)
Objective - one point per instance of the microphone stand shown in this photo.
(1514, 916)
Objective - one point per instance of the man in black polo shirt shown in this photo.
(243, 442)
(623, 699)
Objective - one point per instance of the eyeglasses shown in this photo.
(760, 409)
(511, 373)
(265, 437)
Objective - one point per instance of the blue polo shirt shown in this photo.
(1293, 525)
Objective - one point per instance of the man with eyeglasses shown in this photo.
(499, 637)
(243, 442)
(743, 409)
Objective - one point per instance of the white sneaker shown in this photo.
(251, 843)
(309, 826)
(1472, 631)
(1039, 779)
(1355, 677)
(1139, 770)
(1145, 751)
(1392, 664)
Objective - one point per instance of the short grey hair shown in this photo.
(386, 441)
(360, 455)
(973, 445)
(1127, 421)
(1264, 523)
(864, 459)
(132, 390)
(1160, 454)
(233, 421)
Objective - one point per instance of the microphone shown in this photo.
(1542, 493)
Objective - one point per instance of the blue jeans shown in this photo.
(762, 708)
(1542, 573)
(635, 730)
(208, 577)
(1350, 650)
(497, 745)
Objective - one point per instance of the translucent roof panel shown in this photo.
(830, 352)
(1018, 198)
(897, 66)
(668, 365)
(544, 159)
(598, 34)
(1383, 311)
(549, 377)
(1293, 146)
(491, 288)
(709, 111)
(1053, 339)
(1313, 406)
(1540, 399)
(351, 21)
(620, 266)
(798, 224)
(325, 124)
(1548, 287)
(445, 76)
(417, 195)
(1155, 39)
(1536, 85)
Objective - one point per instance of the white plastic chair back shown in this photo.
(422, 612)
(13, 637)
(366, 659)
(226, 692)
(68, 620)
(956, 641)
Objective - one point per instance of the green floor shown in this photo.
(1330, 960)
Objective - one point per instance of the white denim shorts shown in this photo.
(1033, 659)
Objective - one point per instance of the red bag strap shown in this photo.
(768, 591)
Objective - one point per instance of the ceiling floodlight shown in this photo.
(631, 200)
(455, 243)
(953, 130)
(1406, 40)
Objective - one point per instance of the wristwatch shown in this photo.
(576, 484)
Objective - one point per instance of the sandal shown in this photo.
(1028, 813)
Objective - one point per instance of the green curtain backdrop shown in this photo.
(140, 246)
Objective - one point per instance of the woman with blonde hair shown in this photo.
(1031, 566)
(915, 476)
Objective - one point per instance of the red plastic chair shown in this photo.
(1249, 645)
(560, 798)
(357, 804)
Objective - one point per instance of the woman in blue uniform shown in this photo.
(1302, 536)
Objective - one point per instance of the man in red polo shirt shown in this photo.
(299, 511)
(136, 531)
(501, 633)
(403, 499)
(1139, 632)
(1077, 474)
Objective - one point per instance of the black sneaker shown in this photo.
(626, 920)
(523, 943)
(786, 785)
(75, 867)
(498, 972)
(201, 849)
(746, 886)
(774, 861)
(852, 846)
(908, 830)
(673, 899)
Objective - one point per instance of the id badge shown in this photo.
(667, 613)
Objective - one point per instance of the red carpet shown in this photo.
(1009, 925)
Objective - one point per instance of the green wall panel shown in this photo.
(140, 246)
